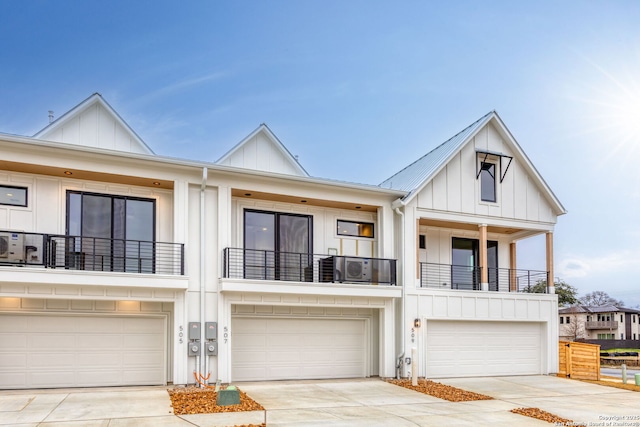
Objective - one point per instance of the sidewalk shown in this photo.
(356, 402)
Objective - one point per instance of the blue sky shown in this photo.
(359, 89)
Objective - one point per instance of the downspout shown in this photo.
(402, 309)
(203, 369)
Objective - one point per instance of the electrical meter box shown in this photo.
(194, 348)
(211, 330)
(211, 348)
(194, 330)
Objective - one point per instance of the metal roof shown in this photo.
(411, 177)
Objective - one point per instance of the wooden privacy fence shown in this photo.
(579, 361)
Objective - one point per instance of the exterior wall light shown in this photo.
(417, 323)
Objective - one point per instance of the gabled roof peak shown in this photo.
(290, 159)
(51, 130)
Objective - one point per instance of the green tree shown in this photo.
(567, 294)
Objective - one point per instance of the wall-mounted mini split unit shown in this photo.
(357, 269)
(11, 247)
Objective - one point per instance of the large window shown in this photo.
(465, 263)
(115, 233)
(488, 182)
(278, 246)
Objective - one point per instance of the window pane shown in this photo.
(259, 231)
(488, 182)
(356, 229)
(13, 196)
(96, 216)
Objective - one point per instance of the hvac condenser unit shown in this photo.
(357, 269)
(11, 247)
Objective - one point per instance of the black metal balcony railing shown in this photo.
(304, 267)
(91, 253)
(445, 276)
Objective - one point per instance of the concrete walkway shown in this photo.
(358, 402)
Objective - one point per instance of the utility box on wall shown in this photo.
(211, 331)
(211, 348)
(194, 348)
(194, 330)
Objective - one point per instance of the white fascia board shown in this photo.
(61, 277)
(212, 167)
(490, 221)
(326, 289)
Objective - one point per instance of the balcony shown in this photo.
(90, 253)
(254, 264)
(603, 324)
(462, 277)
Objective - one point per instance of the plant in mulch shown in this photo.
(539, 414)
(194, 400)
(441, 391)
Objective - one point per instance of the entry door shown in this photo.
(277, 246)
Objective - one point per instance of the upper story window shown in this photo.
(110, 217)
(488, 182)
(111, 233)
(355, 229)
(13, 196)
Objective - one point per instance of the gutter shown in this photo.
(205, 359)
(396, 205)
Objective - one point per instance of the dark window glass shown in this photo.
(422, 241)
(465, 260)
(113, 233)
(355, 229)
(488, 182)
(277, 246)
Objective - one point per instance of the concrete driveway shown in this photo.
(358, 402)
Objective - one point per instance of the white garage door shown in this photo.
(277, 349)
(40, 351)
(474, 349)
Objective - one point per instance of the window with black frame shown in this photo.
(110, 232)
(488, 182)
(278, 246)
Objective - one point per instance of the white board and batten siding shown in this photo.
(95, 126)
(73, 350)
(456, 189)
(298, 348)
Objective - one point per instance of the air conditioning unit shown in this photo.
(357, 269)
(11, 247)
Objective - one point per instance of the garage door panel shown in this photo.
(102, 341)
(101, 359)
(52, 352)
(463, 349)
(13, 361)
(51, 340)
(99, 326)
(12, 342)
(51, 360)
(142, 342)
(297, 348)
